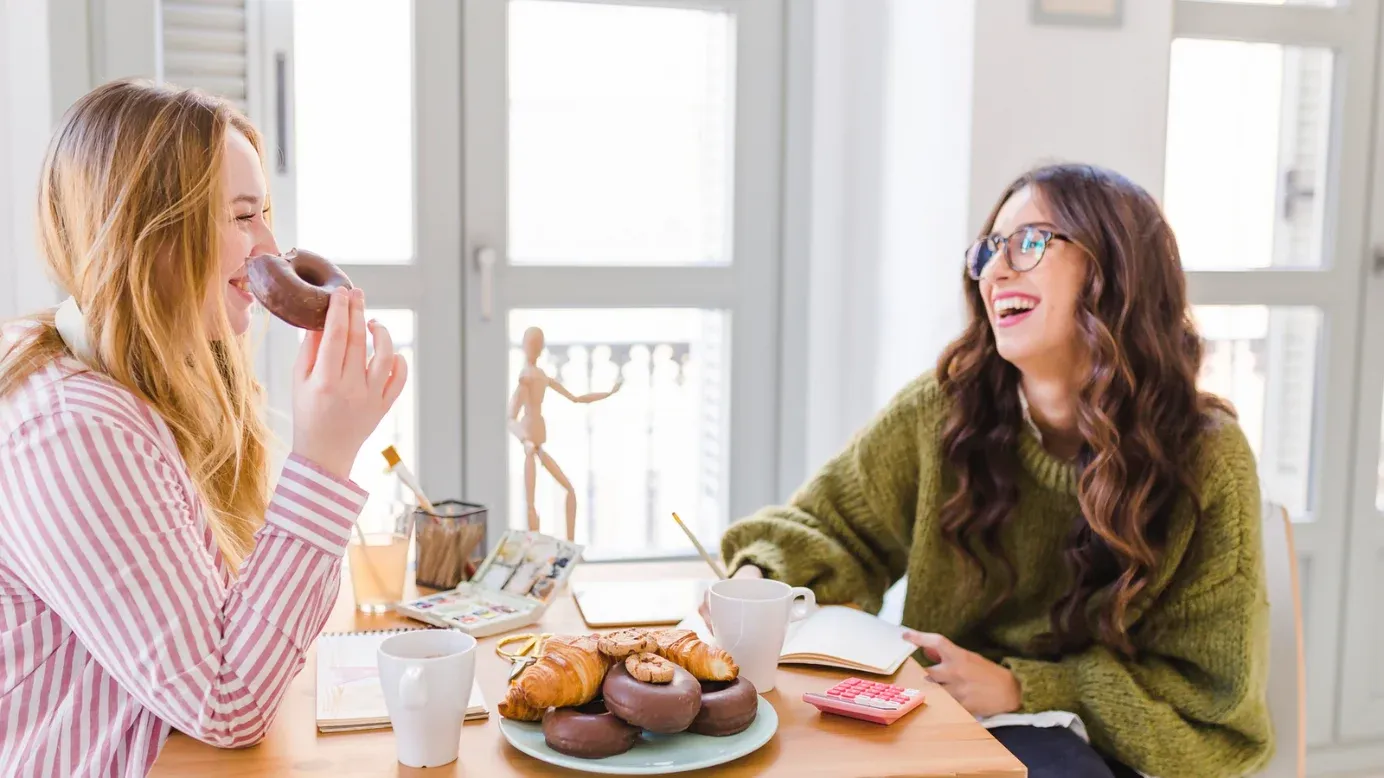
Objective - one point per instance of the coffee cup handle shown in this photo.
(799, 610)
(412, 692)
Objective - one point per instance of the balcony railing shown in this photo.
(656, 447)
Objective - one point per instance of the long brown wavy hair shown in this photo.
(1139, 413)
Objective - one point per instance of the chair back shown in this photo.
(1287, 665)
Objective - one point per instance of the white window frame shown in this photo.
(748, 288)
(1321, 538)
(430, 285)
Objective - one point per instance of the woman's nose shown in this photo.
(998, 268)
(264, 241)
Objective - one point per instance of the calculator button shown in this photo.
(910, 692)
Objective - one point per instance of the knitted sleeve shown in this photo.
(1193, 702)
(846, 533)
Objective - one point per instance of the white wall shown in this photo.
(1088, 94)
(832, 220)
(923, 112)
(927, 145)
(26, 108)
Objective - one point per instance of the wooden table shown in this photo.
(938, 739)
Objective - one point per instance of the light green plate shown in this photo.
(653, 754)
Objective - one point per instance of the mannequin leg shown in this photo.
(530, 473)
(561, 478)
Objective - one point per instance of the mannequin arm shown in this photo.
(589, 397)
(515, 403)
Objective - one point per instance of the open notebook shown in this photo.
(836, 636)
(349, 696)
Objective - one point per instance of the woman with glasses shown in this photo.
(1078, 523)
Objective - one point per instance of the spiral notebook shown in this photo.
(349, 696)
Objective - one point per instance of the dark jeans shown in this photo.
(1057, 752)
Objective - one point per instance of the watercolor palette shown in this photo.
(511, 588)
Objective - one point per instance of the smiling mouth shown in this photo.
(1013, 308)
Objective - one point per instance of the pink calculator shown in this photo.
(881, 703)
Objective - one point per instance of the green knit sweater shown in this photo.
(1192, 702)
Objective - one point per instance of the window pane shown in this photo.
(1264, 361)
(353, 128)
(620, 134)
(399, 428)
(656, 447)
(1248, 129)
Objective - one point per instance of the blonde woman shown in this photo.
(149, 580)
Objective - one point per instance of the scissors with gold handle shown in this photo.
(530, 647)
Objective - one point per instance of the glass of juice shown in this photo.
(378, 560)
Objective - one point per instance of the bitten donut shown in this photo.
(296, 286)
(664, 708)
(728, 708)
(588, 731)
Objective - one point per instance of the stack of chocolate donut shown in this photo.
(659, 681)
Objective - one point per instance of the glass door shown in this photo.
(621, 178)
(365, 170)
(1362, 696)
(1270, 106)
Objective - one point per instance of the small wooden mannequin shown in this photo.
(532, 431)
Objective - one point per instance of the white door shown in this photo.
(364, 160)
(1362, 699)
(622, 165)
(1268, 138)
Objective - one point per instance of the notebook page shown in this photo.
(837, 632)
(348, 681)
(848, 634)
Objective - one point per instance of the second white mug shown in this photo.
(750, 618)
(427, 675)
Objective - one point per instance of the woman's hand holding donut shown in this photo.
(339, 398)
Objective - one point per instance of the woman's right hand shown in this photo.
(704, 610)
(339, 399)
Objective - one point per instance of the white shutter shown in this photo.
(205, 45)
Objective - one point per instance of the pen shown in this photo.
(715, 568)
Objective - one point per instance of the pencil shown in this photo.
(715, 568)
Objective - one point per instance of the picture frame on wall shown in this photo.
(1078, 13)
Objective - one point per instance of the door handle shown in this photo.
(485, 264)
(281, 112)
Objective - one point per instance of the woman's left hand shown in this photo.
(982, 687)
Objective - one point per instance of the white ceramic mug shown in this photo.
(750, 617)
(427, 676)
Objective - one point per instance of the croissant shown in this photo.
(569, 672)
(704, 661)
(514, 706)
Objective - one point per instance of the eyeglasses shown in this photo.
(1033, 243)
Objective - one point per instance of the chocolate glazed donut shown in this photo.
(588, 731)
(728, 708)
(664, 708)
(296, 286)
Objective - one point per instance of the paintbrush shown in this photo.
(397, 466)
(715, 568)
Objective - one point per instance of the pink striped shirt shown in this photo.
(118, 620)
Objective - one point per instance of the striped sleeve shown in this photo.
(111, 542)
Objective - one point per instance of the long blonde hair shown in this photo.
(129, 205)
